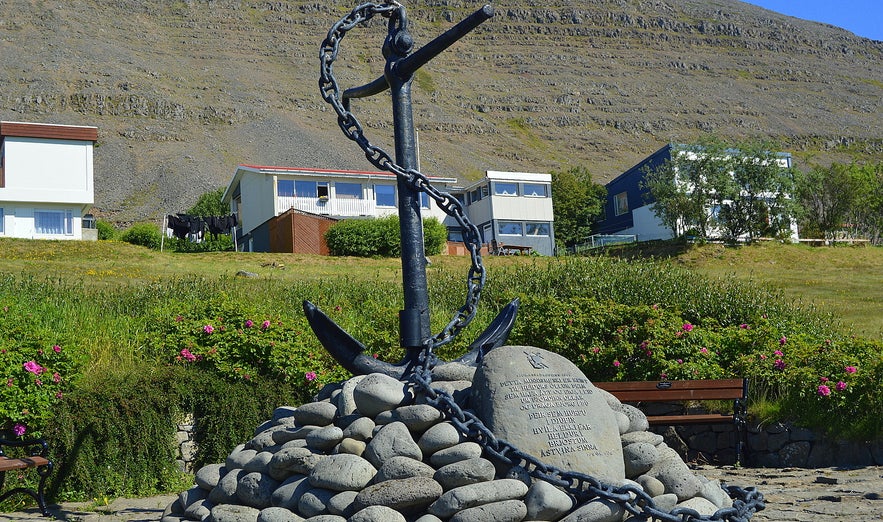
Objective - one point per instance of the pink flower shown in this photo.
(38, 382)
(762, 356)
(616, 363)
(680, 361)
(840, 386)
(703, 350)
(188, 355)
(33, 367)
(744, 326)
(56, 377)
(19, 429)
(687, 327)
(823, 390)
(596, 349)
(56, 349)
(208, 328)
(265, 325)
(249, 323)
(179, 318)
(778, 353)
(783, 340)
(779, 364)
(310, 376)
(823, 379)
(58, 395)
(850, 369)
(10, 381)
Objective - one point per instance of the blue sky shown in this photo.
(862, 17)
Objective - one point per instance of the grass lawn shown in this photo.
(846, 281)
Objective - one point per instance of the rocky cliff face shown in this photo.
(182, 92)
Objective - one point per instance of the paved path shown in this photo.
(792, 495)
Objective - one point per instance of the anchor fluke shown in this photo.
(346, 350)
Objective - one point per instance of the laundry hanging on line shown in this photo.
(185, 226)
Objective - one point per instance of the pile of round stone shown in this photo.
(370, 449)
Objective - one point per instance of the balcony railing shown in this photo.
(344, 207)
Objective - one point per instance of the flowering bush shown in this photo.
(833, 384)
(242, 344)
(38, 372)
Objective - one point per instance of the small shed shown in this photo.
(299, 232)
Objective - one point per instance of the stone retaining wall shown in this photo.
(778, 445)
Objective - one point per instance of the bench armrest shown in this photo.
(35, 447)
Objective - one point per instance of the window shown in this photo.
(509, 228)
(348, 190)
(475, 195)
(1, 220)
(537, 229)
(285, 188)
(424, 200)
(535, 190)
(621, 203)
(385, 195)
(505, 189)
(455, 234)
(53, 222)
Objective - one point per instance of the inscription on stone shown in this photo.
(541, 402)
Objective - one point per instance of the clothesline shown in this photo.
(185, 226)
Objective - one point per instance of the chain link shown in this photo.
(581, 487)
(353, 130)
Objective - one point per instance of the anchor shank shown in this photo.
(414, 318)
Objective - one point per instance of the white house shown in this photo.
(275, 205)
(46, 179)
(512, 210)
(260, 195)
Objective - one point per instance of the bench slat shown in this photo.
(709, 418)
(677, 391)
(7, 463)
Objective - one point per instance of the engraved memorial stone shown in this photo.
(540, 402)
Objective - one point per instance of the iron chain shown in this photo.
(581, 487)
(353, 130)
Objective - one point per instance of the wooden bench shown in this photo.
(701, 390)
(35, 456)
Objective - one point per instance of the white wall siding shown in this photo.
(42, 170)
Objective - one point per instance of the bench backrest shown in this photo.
(661, 391)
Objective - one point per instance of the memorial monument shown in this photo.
(503, 434)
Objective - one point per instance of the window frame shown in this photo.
(348, 195)
(378, 194)
(502, 188)
(538, 225)
(621, 203)
(67, 222)
(501, 224)
(532, 194)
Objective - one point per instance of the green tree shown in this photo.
(210, 204)
(754, 199)
(685, 191)
(866, 213)
(578, 202)
(826, 196)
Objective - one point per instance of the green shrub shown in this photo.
(115, 436)
(143, 234)
(223, 243)
(106, 231)
(380, 237)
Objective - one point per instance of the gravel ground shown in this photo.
(791, 495)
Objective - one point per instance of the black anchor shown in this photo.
(414, 329)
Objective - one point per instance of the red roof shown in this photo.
(48, 131)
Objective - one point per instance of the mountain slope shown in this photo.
(182, 92)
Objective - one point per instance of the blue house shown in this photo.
(628, 210)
